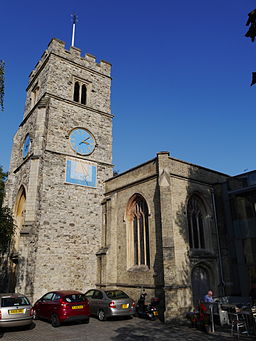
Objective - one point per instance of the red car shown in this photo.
(62, 306)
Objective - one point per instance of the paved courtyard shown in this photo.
(114, 330)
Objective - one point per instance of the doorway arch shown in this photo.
(19, 215)
(200, 280)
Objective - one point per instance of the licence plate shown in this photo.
(77, 307)
(17, 311)
(125, 306)
(155, 313)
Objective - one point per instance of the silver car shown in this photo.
(108, 303)
(15, 310)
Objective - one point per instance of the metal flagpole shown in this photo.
(74, 17)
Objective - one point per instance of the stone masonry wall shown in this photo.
(166, 184)
(62, 229)
(56, 73)
(70, 229)
(140, 180)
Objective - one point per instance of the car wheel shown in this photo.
(101, 315)
(55, 320)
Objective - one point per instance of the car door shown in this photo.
(55, 304)
(45, 305)
(97, 299)
(89, 294)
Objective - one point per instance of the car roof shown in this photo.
(66, 292)
(109, 290)
(105, 290)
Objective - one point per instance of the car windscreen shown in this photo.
(116, 294)
(14, 301)
(74, 298)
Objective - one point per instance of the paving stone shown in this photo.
(114, 330)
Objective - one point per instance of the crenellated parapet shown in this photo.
(57, 47)
(59, 71)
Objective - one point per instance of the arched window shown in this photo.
(138, 232)
(76, 92)
(196, 222)
(83, 95)
(80, 92)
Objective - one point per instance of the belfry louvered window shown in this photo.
(196, 218)
(139, 232)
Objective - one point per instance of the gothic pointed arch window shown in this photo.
(138, 232)
(196, 222)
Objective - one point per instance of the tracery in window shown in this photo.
(196, 222)
(138, 232)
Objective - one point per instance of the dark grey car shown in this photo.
(108, 303)
(15, 310)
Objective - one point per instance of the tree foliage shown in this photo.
(251, 33)
(2, 84)
(7, 226)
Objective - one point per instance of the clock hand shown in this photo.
(84, 141)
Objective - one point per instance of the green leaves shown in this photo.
(251, 33)
(7, 226)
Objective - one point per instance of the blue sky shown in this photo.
(181, 74)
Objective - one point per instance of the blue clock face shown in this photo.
(26, 146)
(82, 141)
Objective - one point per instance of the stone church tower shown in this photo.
(62, 154)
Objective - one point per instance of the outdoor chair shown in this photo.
(238, 324)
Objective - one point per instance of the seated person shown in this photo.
(208, 298)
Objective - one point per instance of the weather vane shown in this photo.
(74, 21)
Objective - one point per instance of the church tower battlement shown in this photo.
(74, 54)
(59, 66)
(61, 157)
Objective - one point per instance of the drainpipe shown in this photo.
(222, 283)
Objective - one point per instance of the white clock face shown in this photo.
(26, 146)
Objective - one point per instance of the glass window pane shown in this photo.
(14, 301)
(135, 232)
(142, 250)
(74, 298)
(195, 232)
(115, 294)
(201, 231)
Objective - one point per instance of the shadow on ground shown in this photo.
(15, 329)
(149, 331)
